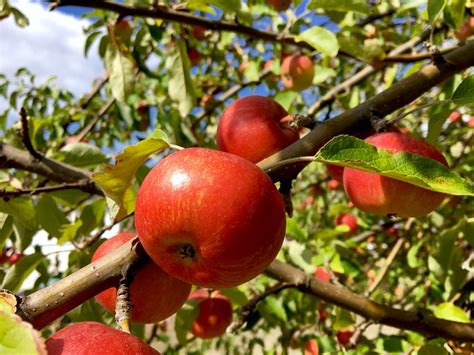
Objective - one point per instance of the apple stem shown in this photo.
(186, 251)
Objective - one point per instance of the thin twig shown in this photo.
(25, 135)
(81, 185)
(95, 90)
(102, 111)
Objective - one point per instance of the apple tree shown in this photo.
(301, 173)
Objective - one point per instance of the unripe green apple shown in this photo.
(149, 282)
(254, 127)
(380, 195)
(87, 338)
(202, 215)
(214, 314)
(297, 72)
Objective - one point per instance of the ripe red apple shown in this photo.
(15, 257)
(199, 32)
(254, 127)
(470, 123)
(279, 5)
(86, 338)
(333, 184)
(344, 337)
(349, 220)
(322, 274)
(149, 282)
(297, 72)
(215, 314)
(323, 314)
(381, 195)
(194, 56)
(311, 347)
(454, 116)
(4, 258)
(466, 29)
(203, 214)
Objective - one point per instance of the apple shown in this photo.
(202, 215)
(149, 282)
(15, 257)
(349, 220)
(194, 56)
(381, 195)
(199, 32)
(466, 30)
(311, 347)
(333, 184)
(344, 337)
(322, 274)
(214, 314)
(470, 122)
(85, 338)
(279, 5)
(254, 127)
(297, 72)
(4, 256)
(454, 116)
(323, 314)
(143, 110)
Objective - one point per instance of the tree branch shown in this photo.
(25, 135)
(84, 185)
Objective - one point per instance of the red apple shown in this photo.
(466, 29)
(333, 184)
(279, 5)
(254, 127)
(322, 274)
(194, 56)
(149, 281)
(215, 314)
(349, 220)
(297, 72)
(470, 122)
(203, 214)
(15, 257)
(323, 314)
(199, 32)
(344, 337)
(381, 195)
(311, 347)
(86, 338)
(454, 116)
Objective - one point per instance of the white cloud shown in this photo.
(53, 44)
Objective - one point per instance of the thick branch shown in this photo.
(420, 322)
(11, 157)
(397, 96)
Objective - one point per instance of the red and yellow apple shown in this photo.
(254, 127)
(214, 314)
(380, 195)
(297, 72)
(454, 116)
(344, 336)
(154, 294)
(202, 215)
(349, 220)
(311, 347)
(86, 338)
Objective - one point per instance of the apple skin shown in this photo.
(333, 184)
(203, 214)
(454, 116)
(466, 29)
(470, 122)
(199, 32)
(194, 56)
(15, 257)
(86, 338)
(279, 5)
(215, 314)
(148, 282)
(322, 274)
(344, 337)
(311, 347)
(297, 72)
(349, 220)
(381, 195)
(252, 128)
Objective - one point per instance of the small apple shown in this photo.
(194, 56)
(381, 195)
(311, 347)
(15, 257)
(349, 220)
(254, 127)
(323, 314)
(454, 116)
(344, 337)
(199, 32)
(202, 214)
(215, 314)
(470, 122)
(322, 274)
(279, 5)
(143, 110)
(297, 72)
(466, 30)
(85, 338)
(333, 184)
(4, 258)
(149, 281)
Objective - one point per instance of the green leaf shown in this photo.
(359, 48)
(435, 7)
(432, 349)
(81, 155)
(272, 307)
(300, 255)
(413, 260)
(340, 5)
(69, 231)
(236, 296)
(115, 180)
(20, 19)
(321, 74)
(286, 98)
(464, 93)
(456, 11)
(121, 74)
(89, 40)
(451, 312)
(184, 321)
(50, 217)
(19, 337)
(180, 85)
(20, 271)
(21, 208)
(252, 71)
(320, 39)
(427, 173)
(6, 228)
(228, 6)
(344, 319)
(294, 230)
(92, 215)
(23, 235)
